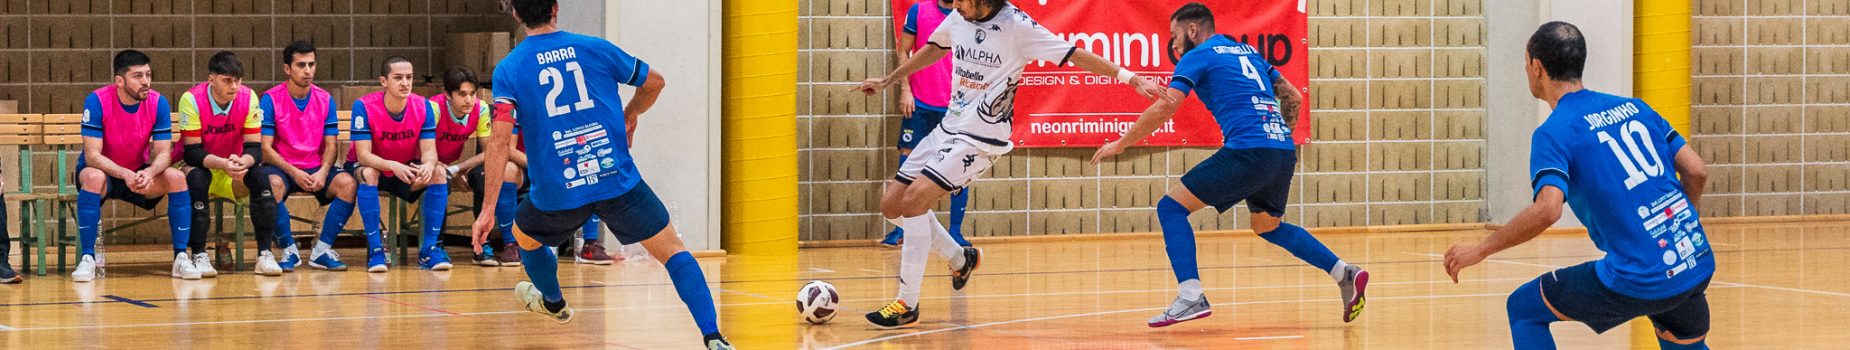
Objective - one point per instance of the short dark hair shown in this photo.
(385, 68)
(1196, 13)
(225, 63)
(534, 13)
(129, 58)
(297, 48)
(458, 75)
(1561, 48)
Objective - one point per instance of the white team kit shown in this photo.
(987, 60)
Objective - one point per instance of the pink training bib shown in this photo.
(394, 140)
(299, 129)
(222, 135)
(127, 134)
(931, 85)
(451, 135)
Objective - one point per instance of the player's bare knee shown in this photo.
(173, 180)
(510, 174)
(92, 180)
(664, 245)
(368, 176)
(1263, 222)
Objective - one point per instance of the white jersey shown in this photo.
(987, 59)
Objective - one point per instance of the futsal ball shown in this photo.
(816, 302)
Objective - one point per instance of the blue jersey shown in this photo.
(564, 89)
(1614, 158)
(1235, 82)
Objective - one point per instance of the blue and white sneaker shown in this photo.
(375, 260)
(328, 260)
(434, 258)
(893, 239)
(291, 259)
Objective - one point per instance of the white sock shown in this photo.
(320, 247)
(912, 256)
(1190, 290)
(943, 245)
(1339, 271)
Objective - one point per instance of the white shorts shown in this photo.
(950, 162)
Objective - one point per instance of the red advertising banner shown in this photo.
(1064, 106)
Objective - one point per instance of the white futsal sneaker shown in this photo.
(203, 263)
(266, 265)
(183, 267)
(86, 270)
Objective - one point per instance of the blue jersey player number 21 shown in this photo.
(581, 144)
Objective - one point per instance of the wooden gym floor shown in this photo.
(1780, 285)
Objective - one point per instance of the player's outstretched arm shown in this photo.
(925, 57)
(644, 98)
(494, 159)
(1693, 172)
(1153, 117)
(1091, 62)
(1527, 224)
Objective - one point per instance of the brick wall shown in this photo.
(1399, 127)
(52, 52)
(1771, 110)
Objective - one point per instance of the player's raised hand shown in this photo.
(1460, 257)
(872, 86)
(1110, 149)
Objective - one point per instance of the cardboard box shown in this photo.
(478, 51)
(9, 107)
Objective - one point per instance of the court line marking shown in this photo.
(129, 301)
(451, 313)
(1101, 313)
(1275, 337)
(5, 327)
(616, 309)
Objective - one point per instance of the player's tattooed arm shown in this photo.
(1694, 173)
(1288, 100)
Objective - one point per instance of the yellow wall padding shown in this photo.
(759, 127)
(1661, 62)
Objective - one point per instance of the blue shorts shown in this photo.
(289, 187)
(912, 130)
(391, 185)
(1576, 293)
(1259, 176)
(635, 216)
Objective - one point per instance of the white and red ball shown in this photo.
(816, 302)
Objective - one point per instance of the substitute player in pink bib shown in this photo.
(119, 162)
(395, 149)
(220, 129)
(299, 134)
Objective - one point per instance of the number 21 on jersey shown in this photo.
(552, 77)
(1641, 162)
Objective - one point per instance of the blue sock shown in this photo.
(543, 268)
(1529, 317)
(436, 200)
(593, 228)
(1178, 239)
(692, 285)
(1299, 242)
(336, 219)
(180, 217)
(504, 211)
(90, 217)
(959, 201)
(368, 198)
(285, 236)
